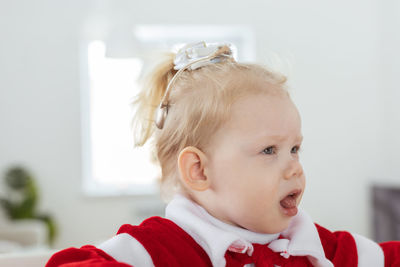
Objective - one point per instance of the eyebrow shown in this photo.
(281, 138)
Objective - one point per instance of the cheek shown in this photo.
(226, 166)
(239, 174)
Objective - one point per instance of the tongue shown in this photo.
(288, 202)
(289, 206)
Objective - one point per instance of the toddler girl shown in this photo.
(227, 137)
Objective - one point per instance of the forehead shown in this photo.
(264, 115)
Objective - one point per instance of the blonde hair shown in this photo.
(199, 103)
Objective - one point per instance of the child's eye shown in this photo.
(295, 149)
(269, 150)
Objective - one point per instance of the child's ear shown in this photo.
(191, 163)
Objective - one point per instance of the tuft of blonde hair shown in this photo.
(147, 101)
(200, 102)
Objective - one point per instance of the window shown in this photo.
(111, 165)
(114, 166)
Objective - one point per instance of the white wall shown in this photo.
(390, 60)
(343, 81)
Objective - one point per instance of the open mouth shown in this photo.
(289, 203)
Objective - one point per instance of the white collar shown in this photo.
(216, 237)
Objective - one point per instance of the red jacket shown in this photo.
(169, 245)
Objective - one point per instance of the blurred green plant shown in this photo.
(22, 197)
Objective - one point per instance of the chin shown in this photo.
(279, 230)
(272, 230)
(283, 228)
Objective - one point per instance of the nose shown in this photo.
(293, 169)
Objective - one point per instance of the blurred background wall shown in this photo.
(345, 63)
